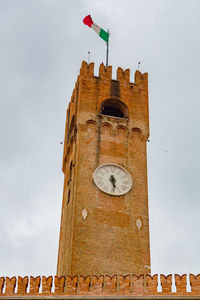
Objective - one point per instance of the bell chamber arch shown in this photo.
(114, 108)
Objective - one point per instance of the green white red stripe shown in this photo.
(102, 33)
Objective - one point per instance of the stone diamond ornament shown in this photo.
(84, 213)
(139, 223)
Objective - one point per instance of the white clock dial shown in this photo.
(112, 179)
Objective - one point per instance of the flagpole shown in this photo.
(107, 49)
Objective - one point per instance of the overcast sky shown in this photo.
(42, 45)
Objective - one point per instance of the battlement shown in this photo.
(105, 73)
(130, 285)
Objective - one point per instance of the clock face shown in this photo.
(112, 179)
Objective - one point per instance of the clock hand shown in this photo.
(113, 181)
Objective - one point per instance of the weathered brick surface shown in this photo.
(107, 241)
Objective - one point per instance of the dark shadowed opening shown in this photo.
(114, 108)
(112, 111)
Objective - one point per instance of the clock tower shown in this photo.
(104, 223)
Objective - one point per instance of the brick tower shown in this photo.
(104, 222)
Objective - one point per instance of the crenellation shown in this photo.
(34, 285)
(145, 77)
(22, 285)
(141, 81)
(120, 74)
(123, 76)
(91, 70)
(138, 76)
(166, 283)
(109, 72)
(59, 283)
(152, 284)
(2, 282)
(111, 284)
(10, 285)
(102, 71)
(99, 285)
(195, 284)
(71, 284)
(127, 75)
(105, 72)
(138, 284)
(84, 284)
(124, 284)
(181, 284)
(47, 284)
(84, 69)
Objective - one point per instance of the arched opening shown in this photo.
(114, 108)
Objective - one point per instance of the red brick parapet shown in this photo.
(129, 285)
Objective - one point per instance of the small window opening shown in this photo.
(114, 108)
(112, 111)
(68, 198)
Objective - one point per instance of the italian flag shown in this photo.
(102, 33)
